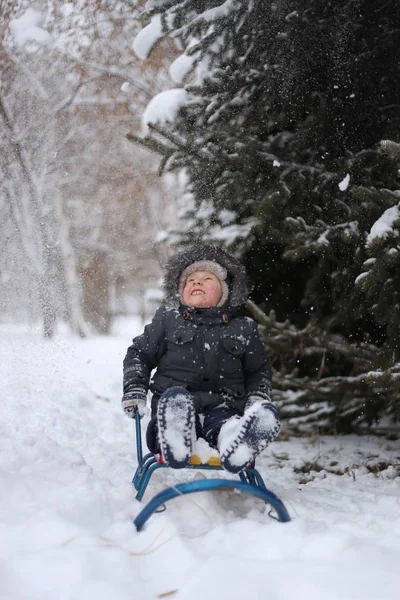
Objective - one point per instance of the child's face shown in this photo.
(202, 289)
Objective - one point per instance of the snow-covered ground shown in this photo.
(67, 455)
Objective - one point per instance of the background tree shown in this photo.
(73, 189)
(285, 105)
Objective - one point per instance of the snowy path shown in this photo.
(66, 501)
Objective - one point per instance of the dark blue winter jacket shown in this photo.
(212, 352)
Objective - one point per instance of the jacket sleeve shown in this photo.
(143, 356)
(257, 368)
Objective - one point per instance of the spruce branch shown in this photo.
(151, 144)
(169, 135)
(386, 377)
(180, 144)
(390, 149)
(327, 401)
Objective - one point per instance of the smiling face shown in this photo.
(202, 289)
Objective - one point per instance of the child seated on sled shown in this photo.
(213, 377)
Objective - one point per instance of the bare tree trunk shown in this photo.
(46, 305)
(44, 278)
(72, 283)
(96, 290)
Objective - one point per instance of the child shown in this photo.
(212, 377)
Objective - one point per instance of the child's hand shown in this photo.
(131, 404)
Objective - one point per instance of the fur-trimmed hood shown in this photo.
(237, 278)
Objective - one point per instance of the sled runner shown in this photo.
(250, 482)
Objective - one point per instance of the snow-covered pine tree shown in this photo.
(285, 105)
(380, 279)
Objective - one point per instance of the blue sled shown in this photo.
(250, 482)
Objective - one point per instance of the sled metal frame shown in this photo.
(250, 482)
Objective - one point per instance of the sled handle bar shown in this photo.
(139, 448)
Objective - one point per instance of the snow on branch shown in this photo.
(385, 225)
(390, 149)
(218, 13)
(28, 28)
(148, 37)
(386, 377)
(164, 107)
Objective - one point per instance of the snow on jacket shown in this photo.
(213, 352)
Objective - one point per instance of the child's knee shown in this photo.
(214, 420)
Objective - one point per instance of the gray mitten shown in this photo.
(132, 402)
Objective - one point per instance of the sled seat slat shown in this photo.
(195, 461)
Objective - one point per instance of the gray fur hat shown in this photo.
(180, 266)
